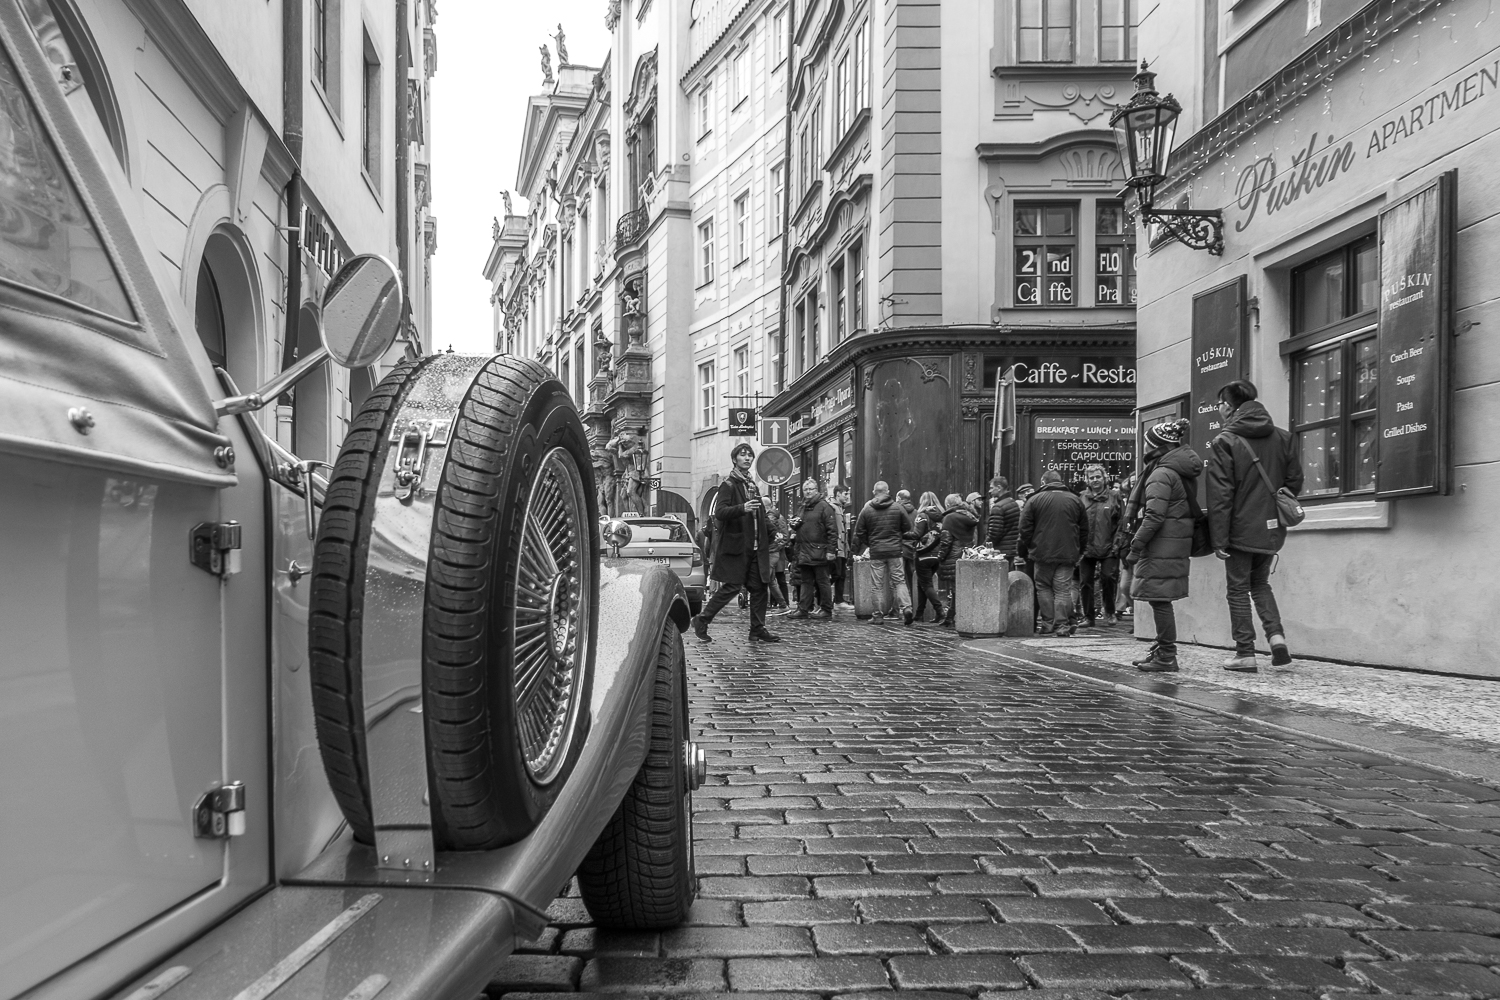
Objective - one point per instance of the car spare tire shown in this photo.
(492, 462)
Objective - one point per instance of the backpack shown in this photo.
(927, 546)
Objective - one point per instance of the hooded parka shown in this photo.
(1163, 543)
(1241, 511)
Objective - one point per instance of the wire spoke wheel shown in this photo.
(551, 615)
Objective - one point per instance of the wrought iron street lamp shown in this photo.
(1144, 131)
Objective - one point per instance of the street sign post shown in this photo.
(775, 430)
(741, 421)
(774, 465)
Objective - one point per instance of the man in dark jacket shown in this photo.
(882, 527)
(1242, 516)
(1003, 529)
(1054, 530)
(1102, 506)
(742, 548)
(814, 549)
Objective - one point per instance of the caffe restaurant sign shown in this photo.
(1266, 186)
(1091, 373)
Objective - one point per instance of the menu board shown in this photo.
(1416, 238)
(1069, 444)
(1218, 356)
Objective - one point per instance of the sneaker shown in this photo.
(1088, 623)
(764, 636)
(907, 617)
(1242, 664)
(700, 628)
(1158, 664)
(1065, 631)
(1280, 655)
(798, 614)
(821, 615)
(1147, 658)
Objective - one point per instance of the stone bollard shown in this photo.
(1022, 606)
(981, 597)
(867, 603)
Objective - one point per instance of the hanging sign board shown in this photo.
(741, 421)
(1416, 237)
(1218, 355)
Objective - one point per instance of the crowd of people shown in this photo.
(1092, 549)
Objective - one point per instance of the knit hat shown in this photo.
(1167, 434)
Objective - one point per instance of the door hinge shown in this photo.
(411, 453)
(220, 812)
(215, 547)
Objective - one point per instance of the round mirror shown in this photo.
(617, 533)
(362, 311)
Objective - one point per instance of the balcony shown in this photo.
(629, 231)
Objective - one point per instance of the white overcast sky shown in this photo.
(488, 64)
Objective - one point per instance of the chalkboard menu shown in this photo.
(1218, 356)
(1416, 237)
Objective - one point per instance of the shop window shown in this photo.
(1044, 30)
(1046, 248)
(1117, 26)
(708, 397)
(1114, 255)
(1334, 381)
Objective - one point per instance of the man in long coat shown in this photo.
(742, 548)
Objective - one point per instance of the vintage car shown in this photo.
(280, 727)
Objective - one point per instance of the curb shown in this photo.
(1467, 764)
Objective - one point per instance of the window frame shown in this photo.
(740, 77)
(861, 68)
(778, 32)
(741, 223)
(740, 366)
(1128, 274)
(1044, 8)
(1044, 242)
(371, 116)
(706, 252)
(842, 94)
(839, 293)
(777, 207)
(705, 109)
(1129, 28)
(856, 256)
(708, 395)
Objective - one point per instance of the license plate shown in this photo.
(663, 560)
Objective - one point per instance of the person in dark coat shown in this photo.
(742, 548)
(1242, 517)
(1103, 507)
(909, 543)
(882, 527)
(1003, 529)
(1162, 547)
(1054, 529)
(927, 543)
(960, 528)
(815, 546)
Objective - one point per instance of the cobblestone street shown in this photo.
(889, 811)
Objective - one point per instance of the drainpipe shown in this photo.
(403, 150)
(786, 196)
(292, 90)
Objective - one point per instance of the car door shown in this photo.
(132, 680)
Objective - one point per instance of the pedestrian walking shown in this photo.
(927, 526)
(1054, 530)
(881, 528)
(1003, 527)
(1162, 546)
(1250, 460)
(814, 549)
(742, 551)
(1103, 507)
(960, 527)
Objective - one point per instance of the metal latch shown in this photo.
(220, 812)
(411, 445)
(215, 547)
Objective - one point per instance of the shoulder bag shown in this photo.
(1288, 510)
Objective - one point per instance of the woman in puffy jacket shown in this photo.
(927, 526)
(1162, 546)
(961, 527)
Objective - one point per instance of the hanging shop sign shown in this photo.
(1218, 355)
(741, 421)
(1068, 444)
(1416, 239)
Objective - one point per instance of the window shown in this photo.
(1117, 22)
(841, 96)
(742, 74)
(742, 385)
(706, 252)
(325, 49)
(778, 38)
(705, 109)
(708, 397)
(857, 287)
(742, 229)
(578, 367)
(1334, 382)
(370, 139)
(777, 207)
(800, 318)
(1044, 30)
(1045, 249)
(1114, 255)
(814, 334)
(862, 67)
(840, 302)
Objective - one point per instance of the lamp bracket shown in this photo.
(1197, 230)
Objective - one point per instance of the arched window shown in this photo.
(65, 37)
(209, 309)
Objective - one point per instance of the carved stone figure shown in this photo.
(604, 475)
(631, 456)
(546, 64)
(562, 46)
(494, 228)
(510, 209)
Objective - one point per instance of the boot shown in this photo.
(1242, 664)
(1159, 664)
(700, 628)
(1280, 655)
(1147, 658)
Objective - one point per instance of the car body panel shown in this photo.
(665, 541)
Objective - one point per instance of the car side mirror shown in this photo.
(358, 321)
(616, 533)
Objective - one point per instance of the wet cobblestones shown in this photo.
(889, 814)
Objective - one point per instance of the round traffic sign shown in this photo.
(774, 465)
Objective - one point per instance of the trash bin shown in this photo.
(867, 603)
(981, 597)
